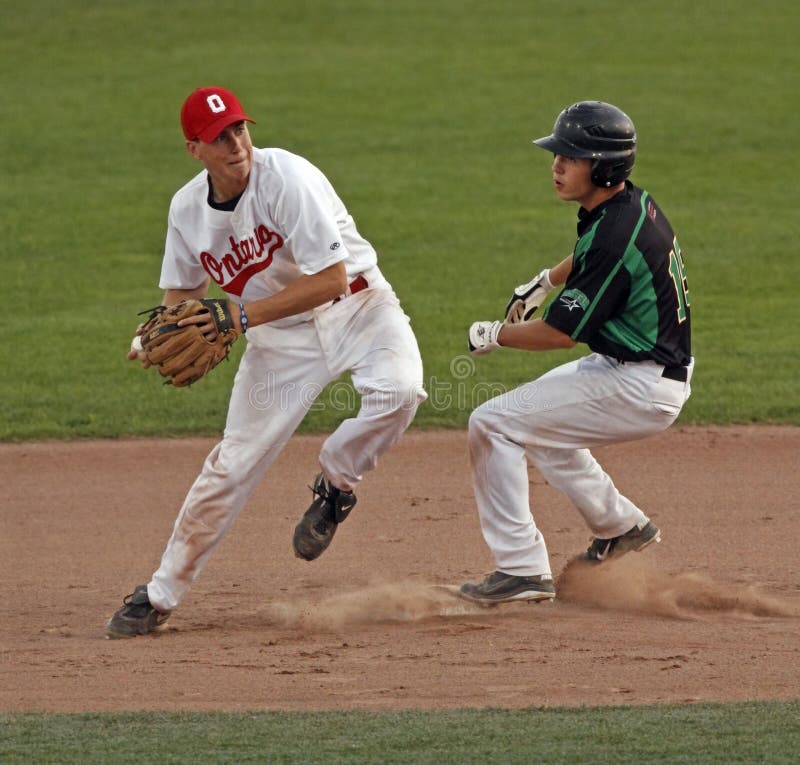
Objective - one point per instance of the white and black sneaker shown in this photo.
(316, 528)
(499, 588)
(634, 540)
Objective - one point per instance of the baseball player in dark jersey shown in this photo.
(624, 295)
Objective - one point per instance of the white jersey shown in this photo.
(288, 222)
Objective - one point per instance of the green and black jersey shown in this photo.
(626, 295)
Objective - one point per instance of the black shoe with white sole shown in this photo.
(499, 588)
(631, 541)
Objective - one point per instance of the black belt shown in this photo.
(676, 373)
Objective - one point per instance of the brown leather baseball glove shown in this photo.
(184, 354)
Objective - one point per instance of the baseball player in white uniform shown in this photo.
(268, 228)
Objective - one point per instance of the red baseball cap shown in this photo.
(208, 111)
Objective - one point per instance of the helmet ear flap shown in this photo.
(606, 173)
(601, 173)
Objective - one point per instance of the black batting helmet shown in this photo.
(598, 131)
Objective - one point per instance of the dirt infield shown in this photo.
(710, 614)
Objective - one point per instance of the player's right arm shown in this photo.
(173, 297)
(559, 273)
(528, 297)
(303, 294)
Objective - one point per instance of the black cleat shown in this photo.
(316, 528)
(632, 541)
(136, 617)
(499, 588)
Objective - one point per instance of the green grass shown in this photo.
(702, 733)
(422, 115)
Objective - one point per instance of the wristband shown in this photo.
(243, 318)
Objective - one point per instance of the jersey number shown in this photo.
(678, 273)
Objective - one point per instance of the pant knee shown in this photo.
(482, 422)
(392, 399)
(410, 396)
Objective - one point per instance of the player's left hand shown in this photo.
(178, 340)
(207, 324)
(483, 336)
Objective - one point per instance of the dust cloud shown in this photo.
(631, 583)
(634, 584)
(399, 602)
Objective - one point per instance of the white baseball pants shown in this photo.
(281, 374)
(551, 422)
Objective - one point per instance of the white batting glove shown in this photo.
(483, 337)
(528, 297)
